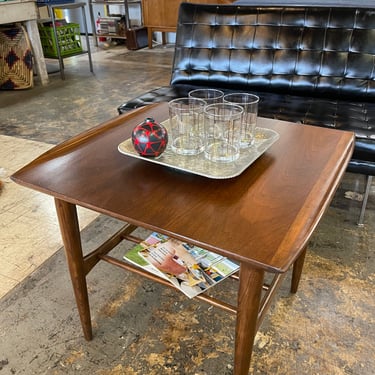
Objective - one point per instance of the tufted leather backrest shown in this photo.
(315, 51)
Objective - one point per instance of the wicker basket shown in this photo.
(16, 63)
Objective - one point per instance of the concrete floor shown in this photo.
(141, 327)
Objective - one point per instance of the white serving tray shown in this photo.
(199, 165)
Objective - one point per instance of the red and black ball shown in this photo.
(150, 138)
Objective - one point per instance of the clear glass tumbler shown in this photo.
(186, 128)
(222, 125)
(210, 96)
(249, 103)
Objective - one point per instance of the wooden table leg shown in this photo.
(249, 297)
(297, 271)
(69, 227)
(164, 38)
(40, 63)
(149, 36)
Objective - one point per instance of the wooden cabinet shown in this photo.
(161, 15)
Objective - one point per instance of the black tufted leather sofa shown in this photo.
(309, 64)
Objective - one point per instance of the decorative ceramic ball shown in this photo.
(149, 138)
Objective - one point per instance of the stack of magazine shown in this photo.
(189, 268)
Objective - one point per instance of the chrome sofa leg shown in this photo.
(365, 198)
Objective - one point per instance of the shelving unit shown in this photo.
(60, 57)
(106, 4)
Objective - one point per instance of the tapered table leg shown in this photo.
(69, 227)
(297, 271)
(249, 297)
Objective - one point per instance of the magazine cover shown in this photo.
(189, 268)
(133, 254)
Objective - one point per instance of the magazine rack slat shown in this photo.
(125, 234)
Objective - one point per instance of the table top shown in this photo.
(264, 217)
(17, 11)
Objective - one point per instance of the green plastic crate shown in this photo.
(68, 37)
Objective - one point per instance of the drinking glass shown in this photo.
(249, 103)
(210, 96)
(222, 125)
(186, 125)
